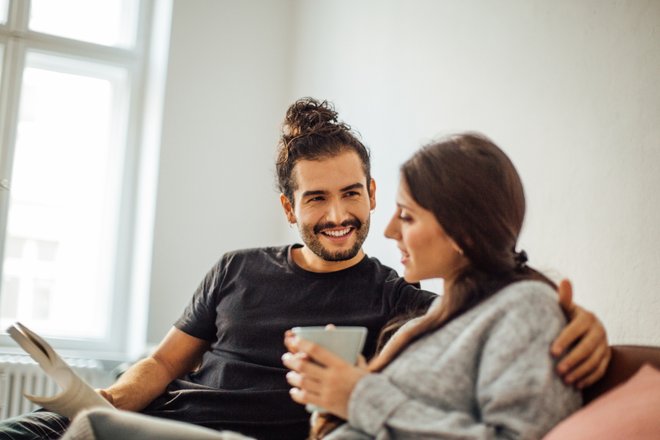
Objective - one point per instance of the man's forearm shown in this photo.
(139, 385)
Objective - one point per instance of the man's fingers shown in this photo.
(582, 351)
(565, 292)
(598, 373)
(574, 330)
(586, 368)
(586, 362)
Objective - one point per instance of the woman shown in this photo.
(476, 365)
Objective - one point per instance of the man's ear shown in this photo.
(288, 209)
(372, 194)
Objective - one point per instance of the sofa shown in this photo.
(624, 404)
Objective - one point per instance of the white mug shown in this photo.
(344, 341)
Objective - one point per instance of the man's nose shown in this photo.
(336, 213)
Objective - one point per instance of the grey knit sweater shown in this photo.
(487, 374)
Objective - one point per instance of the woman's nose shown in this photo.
(392, 228)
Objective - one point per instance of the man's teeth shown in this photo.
(339, 233)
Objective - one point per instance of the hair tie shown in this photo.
(520, 259)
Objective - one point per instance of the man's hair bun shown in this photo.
(313, 131)
(309, 116)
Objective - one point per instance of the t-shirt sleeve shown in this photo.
(199, 317)
(408, 299)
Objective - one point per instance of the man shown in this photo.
(219, 366)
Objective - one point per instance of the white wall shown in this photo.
(568, 88)
(227, 86)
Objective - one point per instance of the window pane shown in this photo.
(108, 22)
(4, 11)
(63, 209)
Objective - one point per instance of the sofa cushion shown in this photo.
(629, 411)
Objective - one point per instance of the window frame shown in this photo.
(145, 65)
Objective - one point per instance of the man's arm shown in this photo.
(177, 354)
(582, 345)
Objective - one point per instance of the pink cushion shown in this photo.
(630, 411)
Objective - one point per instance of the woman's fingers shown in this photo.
(303, 396)
(303, 382)
(314, 351)
(301, 363)
(320, 377)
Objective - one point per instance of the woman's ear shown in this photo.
(288, 209)
(467, 243)
(456, 247)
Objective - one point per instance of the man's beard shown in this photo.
(310, 237)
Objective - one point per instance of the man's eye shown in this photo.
(316, 199)
(351, 194)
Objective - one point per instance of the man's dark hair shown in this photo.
(312, 131)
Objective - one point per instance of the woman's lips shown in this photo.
(404, 256)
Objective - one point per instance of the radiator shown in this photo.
(20, 374)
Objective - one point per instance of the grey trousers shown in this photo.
(104, 424)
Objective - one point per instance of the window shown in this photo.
(106, 22)
(75, 90)
(4, 9)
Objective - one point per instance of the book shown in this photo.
(76, 395)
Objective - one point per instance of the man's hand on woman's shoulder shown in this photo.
(582, 345)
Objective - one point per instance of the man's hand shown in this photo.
(585, 338)
(106, 395)
(148, 378)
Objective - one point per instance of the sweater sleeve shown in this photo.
(517, 395)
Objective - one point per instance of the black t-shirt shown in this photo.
(243, 307)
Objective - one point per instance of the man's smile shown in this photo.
(337, 232)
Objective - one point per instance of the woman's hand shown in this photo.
(582, 344)
(320, 377)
